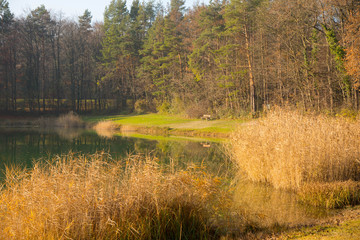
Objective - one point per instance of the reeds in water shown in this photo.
(93, 197)
(290, 150)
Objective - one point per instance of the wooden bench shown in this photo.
(206, 117)
(205, 145)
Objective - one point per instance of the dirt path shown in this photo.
(196, 124)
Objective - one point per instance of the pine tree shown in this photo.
(240, 18)
(85, 60)
(163, 57)
(204, 59)
(116, 19)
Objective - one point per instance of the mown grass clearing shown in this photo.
(172, 122)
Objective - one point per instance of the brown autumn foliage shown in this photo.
(352, 38)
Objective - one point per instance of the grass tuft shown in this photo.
(106, 128)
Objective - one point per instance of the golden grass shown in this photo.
(92, 197)
(106, 128)
(288, 149)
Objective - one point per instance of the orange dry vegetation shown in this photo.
(352, 39)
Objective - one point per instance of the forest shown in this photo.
(227, 58)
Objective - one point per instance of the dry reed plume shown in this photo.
(80, 197)
(106, 128)
(69, 120)
(288, 149)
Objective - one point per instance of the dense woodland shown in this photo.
(227, 58)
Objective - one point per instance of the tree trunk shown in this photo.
(251, 76)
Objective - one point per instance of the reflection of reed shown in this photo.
(127, 130)
(271, 206)
(69, 133)
(64, 133)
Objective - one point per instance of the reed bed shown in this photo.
(93, 197)
(290, 150)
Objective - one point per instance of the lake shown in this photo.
(20, 147)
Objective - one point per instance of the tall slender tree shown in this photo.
(7, 56)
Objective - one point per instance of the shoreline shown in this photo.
(145, 129)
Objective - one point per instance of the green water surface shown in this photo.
(20, 147)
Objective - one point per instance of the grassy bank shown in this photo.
(172, 125)
(344, 226)
(317, 156)
(80, 197)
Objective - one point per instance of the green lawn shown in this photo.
(172, 122)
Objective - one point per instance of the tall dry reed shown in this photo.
(288, 149)
(80, 197)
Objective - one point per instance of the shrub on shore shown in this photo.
(69, 120)
(81, 197)
(290, 150)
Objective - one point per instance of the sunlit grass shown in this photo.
(93, 197)
(170, 122)
(150, 119)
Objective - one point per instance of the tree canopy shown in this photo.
(226, 58)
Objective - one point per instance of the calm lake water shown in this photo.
(20, 147)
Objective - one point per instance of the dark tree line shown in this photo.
(226, 58)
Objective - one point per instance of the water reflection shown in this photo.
(20, 147)
(270, 206)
